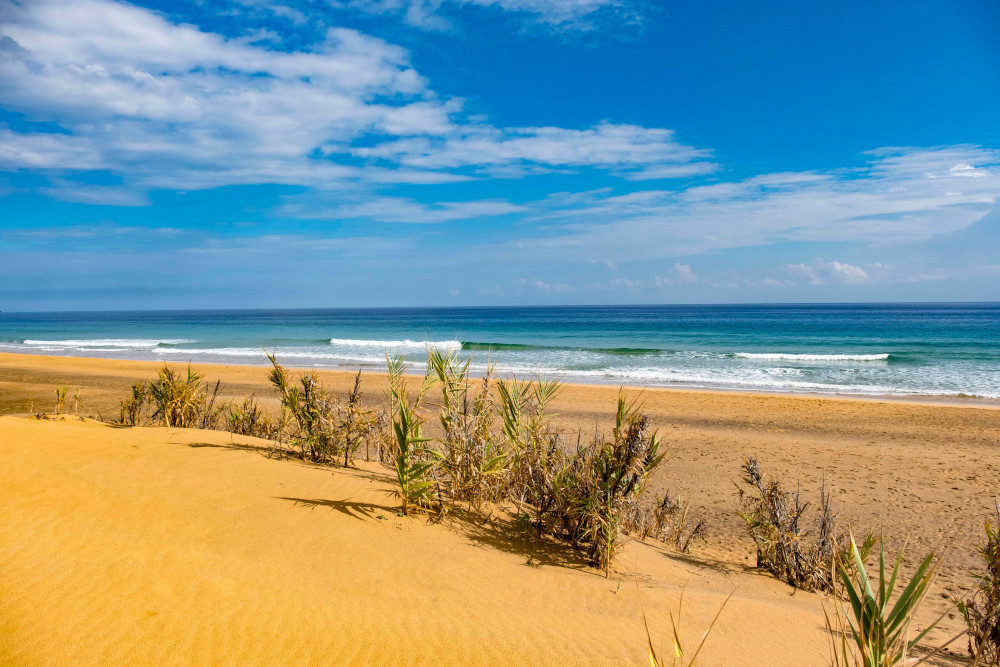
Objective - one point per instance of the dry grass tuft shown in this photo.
(665, 520)
(787, 547)
(60, 399)
(247, 418)
(982, 610)
(180, 400)
(132, 406)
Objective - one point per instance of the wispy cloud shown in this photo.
(398, 209)
(167, 105)
(901, 195)
(557, 14)
(679, 274)
(821, 272)
(630, 150)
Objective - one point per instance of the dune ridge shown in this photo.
(184, 546)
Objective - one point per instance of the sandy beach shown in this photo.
(153, 544)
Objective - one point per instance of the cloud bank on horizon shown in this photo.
(263, 135)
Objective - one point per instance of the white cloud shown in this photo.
(105, 195)
(542, 286)
(398, 209)
(173, 106)
(630, 150)
(434, 14)
(165, 105)
(821, 272)
(901, 195)
(678, 274)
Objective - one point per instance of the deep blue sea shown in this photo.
(869, 349)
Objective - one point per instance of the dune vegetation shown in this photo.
(495, 449)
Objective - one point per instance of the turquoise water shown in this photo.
(869, 349)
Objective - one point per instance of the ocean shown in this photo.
(933, 350)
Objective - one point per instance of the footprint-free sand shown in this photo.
(155, 545)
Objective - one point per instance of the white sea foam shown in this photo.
(258, 353)
(398, 344)
(120, 343)
(785, 356)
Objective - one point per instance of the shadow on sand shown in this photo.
(354, 509)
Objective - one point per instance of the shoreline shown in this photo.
(373, 370)
(924, 473)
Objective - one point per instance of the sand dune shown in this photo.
(154, 545)
(917, 471)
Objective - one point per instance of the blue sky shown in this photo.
(246, 153)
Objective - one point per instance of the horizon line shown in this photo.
(511, 307)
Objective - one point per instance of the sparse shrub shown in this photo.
(324, 430)
(60, 398)
(536, 458)
(874, 629)
(313, 411)
(786, 545)
(178, 399)
(208, 414)
(247, 418)
(586, 496)
(355, 425)
(665, 520)
(131, 407)
(613, 478)
(471, 459)
(982, 609)
(413, 469)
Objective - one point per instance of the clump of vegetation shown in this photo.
(412, 464)
(180, 400)
(355, 424)
(535, 457)
(131, 407)
(60, 398)
(616, 472)
(665, 520)
(324, 430)
(471, 459)
(874, 629)
(313, 410)
(247, 418)
(982, 609)
(584, 497)
(786, 544)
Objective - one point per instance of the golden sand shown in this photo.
(138, 544)
(155, 545)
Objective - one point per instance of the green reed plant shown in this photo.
(179, 399)
(313, 410)
(982, 609)
(873, 628)
(615, 477)
(354, 424)
(413, 469)
(472, 460)
(678, 657)
(535, 457)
